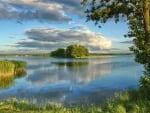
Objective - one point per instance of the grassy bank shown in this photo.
(133, 101)
(121, 104)
(13, 106)
(10, 70)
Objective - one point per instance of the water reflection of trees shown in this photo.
(71, 65)
(78, 72)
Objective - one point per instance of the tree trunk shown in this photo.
(147, 21)
(146, 13)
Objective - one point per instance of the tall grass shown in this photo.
(14, 106)
(122, 103)
(6, 68)
(10, 69)
(19, 70)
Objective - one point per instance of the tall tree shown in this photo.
(137, 15)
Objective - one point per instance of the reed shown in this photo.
(19, 70)
(6, 68)
(10, 69)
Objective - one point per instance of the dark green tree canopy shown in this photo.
(60, 52)
(137, 15)
(76, 51)
(72, 51)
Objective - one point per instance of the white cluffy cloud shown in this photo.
(52, 38)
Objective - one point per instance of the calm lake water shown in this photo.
(73, 81)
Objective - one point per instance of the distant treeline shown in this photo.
(49, 54)
(99, 54)
(17, 54)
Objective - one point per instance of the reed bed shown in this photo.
(19, 70)
(6, 68)
(10, 69)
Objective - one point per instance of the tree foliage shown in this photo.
(76, 51)
(137, 15)
(60, 52)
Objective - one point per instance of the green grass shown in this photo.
(10, 69)
(13, 106)
(133, 101)
(6, 68)
(20, 68)
(130, 102)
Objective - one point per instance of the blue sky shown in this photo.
(35, 26)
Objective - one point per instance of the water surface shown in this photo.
(73, 81)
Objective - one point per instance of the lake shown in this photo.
(73, 81)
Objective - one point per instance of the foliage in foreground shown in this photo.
(133, 101)
(13, 106)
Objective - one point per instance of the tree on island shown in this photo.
(137, 15)
(60, 52)
(72, 51)
(76, 51)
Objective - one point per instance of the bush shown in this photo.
(145, 87)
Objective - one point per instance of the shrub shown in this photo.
(145, 87)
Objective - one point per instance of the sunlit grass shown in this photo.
(10, 70)
(124, 103)
(133, 101)
(6, 68)
(23, 106)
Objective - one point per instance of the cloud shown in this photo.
(52, 38)
(35, 46)
(127, 42)
(40, 10)
(32, 10)
(71, 6)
